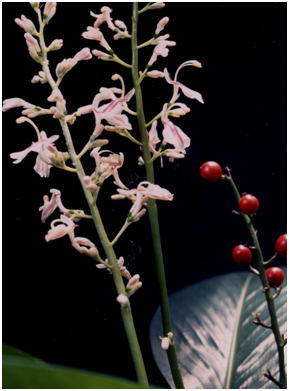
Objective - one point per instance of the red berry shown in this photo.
(248, 204)
(281, 245)
(211, 171)
(275, 276)
(242, 255)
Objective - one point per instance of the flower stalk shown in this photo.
(126, 312)
(152, 206)
(282, 383)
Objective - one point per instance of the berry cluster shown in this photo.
(248, 205)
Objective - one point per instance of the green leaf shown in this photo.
(21, 371)
(217, 343)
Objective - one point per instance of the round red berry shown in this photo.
(275, 276)
(248, 204)
(281, 245)
(242, 255)
(211, 171)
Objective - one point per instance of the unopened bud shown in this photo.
(158, 5)
(49, 11)
(55, 45)
(122, 299)
(26, 24)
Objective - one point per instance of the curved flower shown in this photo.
(45, 149)
(140, 196)
(51, 204)
(177, 85)
(172, 134)
(66, 227)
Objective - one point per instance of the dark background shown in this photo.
(56, 304)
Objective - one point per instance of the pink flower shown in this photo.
(161, 50)
(133, 284)
(110, 112)
(68, 63)
(102, 55)
(11, 103)
(43, 148)
(161, 25)
(26, 24)
(140, 196)
(177, 85)
(96, 34)
(172, 134)
(153, 137)
(49, 206)
(103, 17)
(49, 11)
(33, 47)
(66, 227)
(157, 5)
(106, 166)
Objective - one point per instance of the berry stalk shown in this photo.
(280, 342)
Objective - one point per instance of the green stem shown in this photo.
(269, 298)
(152, 206)
(126, 312)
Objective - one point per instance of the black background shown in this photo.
(56, 304)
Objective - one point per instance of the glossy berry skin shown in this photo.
(211, 171)
(275, 276)
(248, 204)
(242, 255)
(281, 245)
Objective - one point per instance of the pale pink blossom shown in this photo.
(177, 85)
(84, 246)
(110, 112)
(155, 74)
(102, 55)
(55, 45)
(68, 63)
(56, 96)
(140, 196)
(172, 134)
(66, 227)
(165, 343)
(161, 49)
(33, 47)
(157, 5)
(11, 103)
(96, 34)
(42, 148)
(103, 17)
(122, 299)
(51, 204)
(153, 137)
(26, 24)
(122, 31)
(40, 78)
(161, 25)
(133, 284)
(49, 11)
(106, 166)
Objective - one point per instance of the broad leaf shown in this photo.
(217, 343)
(21, 371)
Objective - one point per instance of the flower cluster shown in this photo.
(172, 135)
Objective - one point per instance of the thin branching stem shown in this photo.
(269, 298)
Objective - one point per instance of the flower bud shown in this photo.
(122, 299)
(33, 47)
(157, 5)
(35, 5)
(26, 24)
(161, 25)
(55, 45)
(49, 11)
(165, 344)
